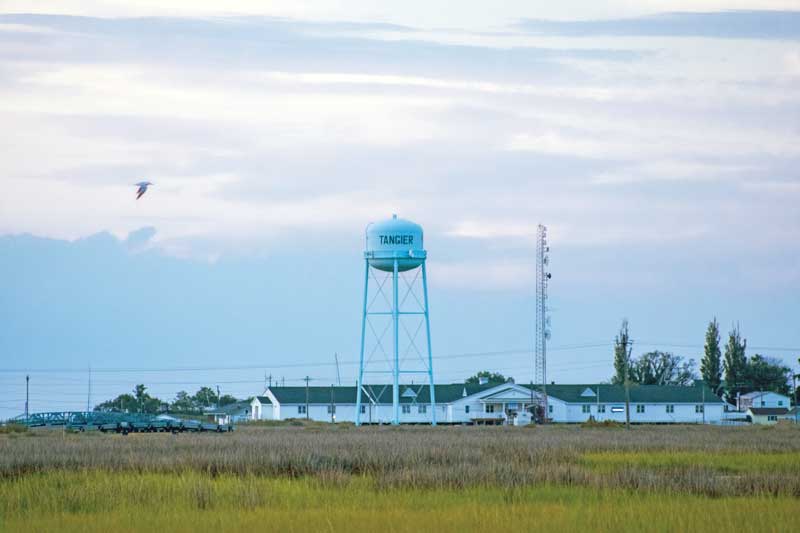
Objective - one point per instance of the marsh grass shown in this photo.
(194, 501)
(705, 460)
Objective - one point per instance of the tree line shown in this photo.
(139, 401)
(730, 373)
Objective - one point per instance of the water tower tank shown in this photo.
(392, 239)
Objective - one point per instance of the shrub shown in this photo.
(13, 428)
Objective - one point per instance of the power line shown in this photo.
(289, 365)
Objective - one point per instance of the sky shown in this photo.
(658, 141)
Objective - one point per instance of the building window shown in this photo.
(466, 408)
(640, 408)
(490, 408)
(772, 418)
(406, 409)
(670, 408)
(763, 403)
(601, 408)
(422, 409)
(331, 409)
(698, 408)
(780, 403)
(586, 408)
(550, 409)
(363, 409)
(301, 409)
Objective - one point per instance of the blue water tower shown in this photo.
(394, 262)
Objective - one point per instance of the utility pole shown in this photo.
(283, 381)
(307, 379)
(794, 395)
(338, 376)
(703, 388)
(270, 381)
(27, 397)
(598, 403)
(333, 407)
(628, 384)
(533, 406)
(89, 394)
(217, 396)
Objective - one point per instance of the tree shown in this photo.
(735, 364)
(766, 373)
(226, 399)
(140, 395)
(205, 397)
(123, 403)
(183, 403)
(492, 377)
(710, 366)
(138, 402)
(661, 368)
(623, 346)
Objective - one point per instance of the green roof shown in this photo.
(229, 409)
(379, 393)
(639, 393)
(264, 399)
(409, 394)
(760, 411)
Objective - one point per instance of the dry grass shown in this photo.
(712, 461)
(90, 501)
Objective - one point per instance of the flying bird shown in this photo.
(142, 188)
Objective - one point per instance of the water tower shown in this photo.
(393, 319)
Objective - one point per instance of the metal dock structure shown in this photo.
(124, 423)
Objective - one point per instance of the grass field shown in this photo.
(404, 479)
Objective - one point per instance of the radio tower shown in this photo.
(542, 320)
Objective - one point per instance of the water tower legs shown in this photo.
(393, 311)
(360, 382)
(428, 338)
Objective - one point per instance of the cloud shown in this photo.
(672, 171)
(744, 24)
(257, 130)
(140, 238)
(483, 275)
(792, 62)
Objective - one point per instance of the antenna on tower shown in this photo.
(542, 320)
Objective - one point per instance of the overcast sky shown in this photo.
(659, 141)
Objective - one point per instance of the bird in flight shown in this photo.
(142, 188)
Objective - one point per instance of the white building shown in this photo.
(763, 399)
(772, 415)
(230, 414)
(496, 403)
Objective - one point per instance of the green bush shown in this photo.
(13, 428)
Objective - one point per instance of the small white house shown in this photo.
(492, 403)
(767, 415)
(261, 408)
(230, 414)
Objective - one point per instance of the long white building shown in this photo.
(496, 403)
